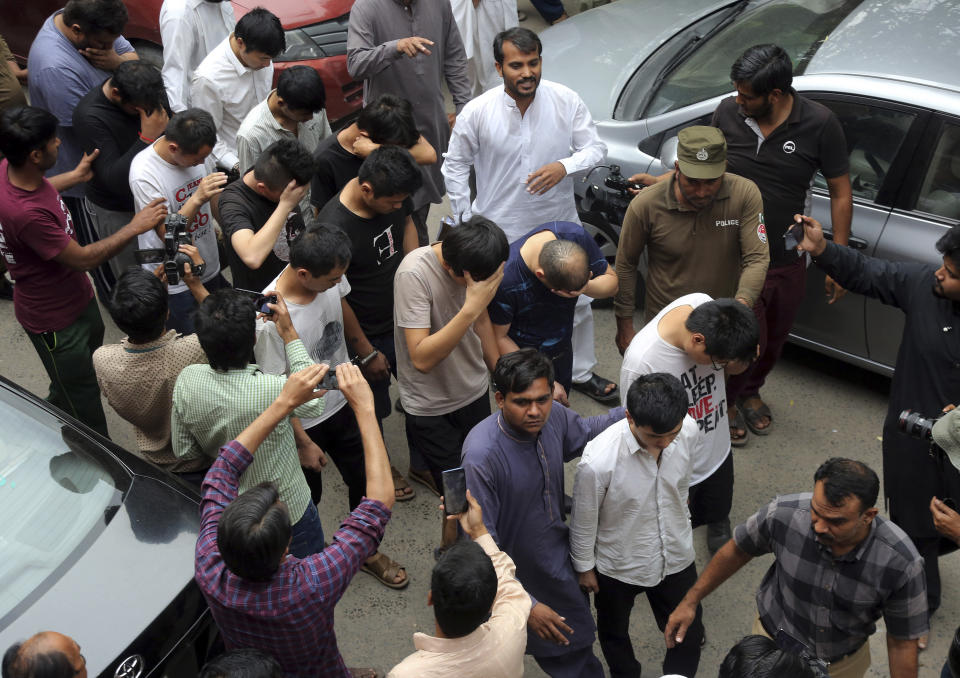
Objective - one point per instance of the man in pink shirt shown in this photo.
(53, 298)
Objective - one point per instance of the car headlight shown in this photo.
(300, 47)
(326, 39)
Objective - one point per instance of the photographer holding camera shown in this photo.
(172, 168)
(927, 373)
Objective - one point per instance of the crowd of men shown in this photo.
(157, 181)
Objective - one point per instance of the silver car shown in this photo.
(887, 68)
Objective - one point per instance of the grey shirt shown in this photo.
(375, 28)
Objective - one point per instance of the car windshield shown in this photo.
(56, 496)
(799, 26)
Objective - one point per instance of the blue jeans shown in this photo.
(306, 536)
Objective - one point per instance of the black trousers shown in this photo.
(439, 439)
(339, 437)
(614, 602)
(712, 498)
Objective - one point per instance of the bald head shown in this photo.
(47, 654)
(564, 265)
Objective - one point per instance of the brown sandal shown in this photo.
(401, 486)
(385, 569)
(425, 478)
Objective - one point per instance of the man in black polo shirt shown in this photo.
(260, 214)
(375, 209)
(779, 140)
(121, 117)
(386, 121)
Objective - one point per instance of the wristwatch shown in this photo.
(365, 360)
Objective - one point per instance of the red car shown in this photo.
(316, 32)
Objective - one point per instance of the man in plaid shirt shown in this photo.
(838, 568)
(261, 596)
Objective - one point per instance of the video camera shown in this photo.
(610, 198)
(169, 255)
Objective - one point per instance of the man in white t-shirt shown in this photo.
(315, 289)
(630, 528)
(698, 339)
(172, 168)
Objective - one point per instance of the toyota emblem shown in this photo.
(131, 667)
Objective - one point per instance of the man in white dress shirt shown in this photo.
(236, 76)
(630, 529)
(190, 29)
(518, 140)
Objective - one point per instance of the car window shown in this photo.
(874, 135)
(940, 192)
(54, 496)
(800, 27)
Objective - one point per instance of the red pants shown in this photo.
(776, 309)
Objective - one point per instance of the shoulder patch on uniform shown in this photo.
(761, 229)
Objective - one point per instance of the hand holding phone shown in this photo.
(454, 491)
(794, 236)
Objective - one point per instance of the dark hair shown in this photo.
(565, 266)
(191, 130)
(728, 327)
(225, 323)
(759, 657)
(949, 244)
(301, 88)
(523, 39)
(844, 478)
(247, 662)
(254, 532)
(96, 16)
(25, 129)
(463, 586)
(390, 171)
(320, 248)
(140, 83)
(139, 305)
(17, 664)
(261, 31)
(657, 400)
(516, 371)
(477, 246)
(765, 68)
(283, 160)
(388, 120)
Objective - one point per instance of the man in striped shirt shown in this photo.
(213, 403)
(260, 596)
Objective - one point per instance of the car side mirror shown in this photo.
(668, 153)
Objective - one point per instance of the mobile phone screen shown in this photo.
(454, 491)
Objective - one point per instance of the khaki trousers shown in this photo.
(852, 666)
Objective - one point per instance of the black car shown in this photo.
(96, 544)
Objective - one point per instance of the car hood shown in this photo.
(595, 52)
(133, 570)
(297, 13)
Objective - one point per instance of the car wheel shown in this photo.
(607, 239)
(150, 53)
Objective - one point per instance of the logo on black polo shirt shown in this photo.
(789, 146)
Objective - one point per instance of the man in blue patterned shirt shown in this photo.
(839, 567)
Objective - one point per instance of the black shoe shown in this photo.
(718, 534)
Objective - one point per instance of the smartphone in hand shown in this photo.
(454, 491)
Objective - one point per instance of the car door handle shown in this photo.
(855, 243)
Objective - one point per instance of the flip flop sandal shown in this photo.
(385, 570)
(401, 483)
(738, 423)
(596, 387)
(425, 478)
(754, 416)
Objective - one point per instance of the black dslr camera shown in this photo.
(169, 255)
(916, 425)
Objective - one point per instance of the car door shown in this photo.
(926, 207)
(875, 132)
